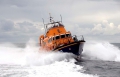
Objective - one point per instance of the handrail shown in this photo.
(82, 38)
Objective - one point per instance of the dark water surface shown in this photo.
(101, 68)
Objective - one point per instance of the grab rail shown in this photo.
(75, 38)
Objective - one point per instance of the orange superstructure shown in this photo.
(57, 38)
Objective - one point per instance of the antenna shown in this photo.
(61, 18)
(44, 25)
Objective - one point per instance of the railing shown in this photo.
(82, 38)
(75, 38)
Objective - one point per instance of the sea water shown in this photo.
(99, 59)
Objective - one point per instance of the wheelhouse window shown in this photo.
(53, 38)
(49, 40)
(62, 36)
(57, 37)
(67, 35)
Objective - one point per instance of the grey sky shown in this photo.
(21, 20)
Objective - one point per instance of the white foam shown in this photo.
(101, 51)
(10, 54)
(62, 68)
(41, 64)
(30, 55)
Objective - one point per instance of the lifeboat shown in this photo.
(56, 38)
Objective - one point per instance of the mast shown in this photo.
(44, 25)
(51, 18)
(61, 18)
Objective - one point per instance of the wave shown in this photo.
(40, 63)
(101, 51)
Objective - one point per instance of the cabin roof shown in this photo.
(52, 25)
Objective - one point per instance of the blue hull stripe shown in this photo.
(75, 48)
